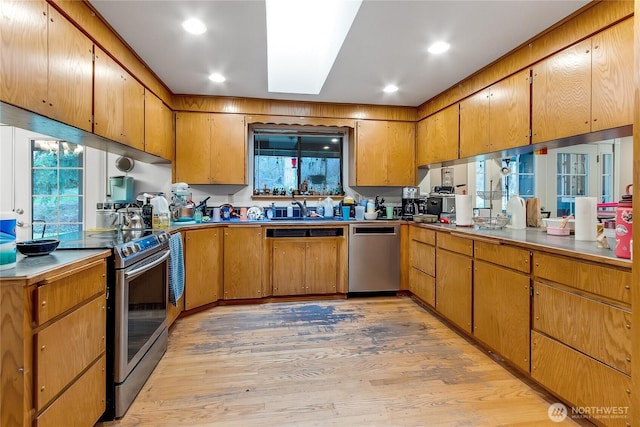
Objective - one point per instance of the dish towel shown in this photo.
(176, 269)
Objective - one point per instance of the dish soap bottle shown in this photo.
(147, 214)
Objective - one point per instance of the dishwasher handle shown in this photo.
(374, 230)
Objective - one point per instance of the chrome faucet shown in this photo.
(302, 206)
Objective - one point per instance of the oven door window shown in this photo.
(147, 307)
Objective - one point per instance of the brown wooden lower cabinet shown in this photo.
(585, 383)
(501, 311)
(423, 286)
(242, 262)
(203, 267)
(307, 266)
(599, 330)
(453, 287)
(78, 405)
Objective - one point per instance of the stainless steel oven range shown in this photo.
(136, 318)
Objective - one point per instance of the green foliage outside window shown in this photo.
(57, 169)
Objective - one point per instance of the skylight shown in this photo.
(303, 40)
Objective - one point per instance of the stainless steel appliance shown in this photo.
(137, 294)
(410, 202)
(374, 258)
(139, 306)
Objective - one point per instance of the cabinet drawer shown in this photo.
(461, 245)
(58, 295)
(423, 286)
(597, 279)
(82, 403)
(423, 257)
(67, 347)
(581, 380)
(600, 330)
(506, 256)
(422, 235)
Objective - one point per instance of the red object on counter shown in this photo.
(624, 226)
(444, 220)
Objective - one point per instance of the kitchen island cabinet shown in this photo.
(501, 300)
(46, 66)
(211, 148)
(119, 105)
(53, 341)
(242, 263)
(203, 267)
(383, 153)
(437, 137)
(454, 275)
(496, 118)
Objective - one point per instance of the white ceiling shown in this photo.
(387, 44)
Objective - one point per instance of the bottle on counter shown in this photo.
(147, 214)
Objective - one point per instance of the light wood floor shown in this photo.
(356, 362)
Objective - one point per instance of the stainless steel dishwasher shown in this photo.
(374, 257)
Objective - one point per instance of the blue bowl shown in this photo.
(37, 247)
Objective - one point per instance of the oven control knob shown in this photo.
(126, 251)
(135, 248)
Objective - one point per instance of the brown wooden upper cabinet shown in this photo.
(211, 148)
(47, 65)
(118, 103)
(496, 118)
(586, 87)
(384, 154)
(158, 127)
(437, 137)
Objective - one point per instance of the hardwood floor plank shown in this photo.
(356, 362)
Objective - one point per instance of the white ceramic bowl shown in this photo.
(555, 222)
(370, 215)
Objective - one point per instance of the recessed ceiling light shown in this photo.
(194, 26)
(439, 47)
(217, 77)
(390, 88)
(300, 48)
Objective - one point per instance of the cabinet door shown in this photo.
(560, 95)
(242, 262)
(288, 268)
(108, 100)
(423, 286)
(132, 112)
(501, 311)
(370, 153)
(443, 135)
(70, 88)
(422, 141)
(474, 124)
(23, 54)
(228, 149)
(612, 77)
(401, 148)
(203, 267)
(422, 257)
(193, 148)
(509, 106)
(158, 127)
(321, 259)
(453, 287)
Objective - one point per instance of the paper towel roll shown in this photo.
(586, 218)
(464, 210)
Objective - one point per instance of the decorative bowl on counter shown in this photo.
(37, 247)
(426, 218)
(558, 231)
(371, 215)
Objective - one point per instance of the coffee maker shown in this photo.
(410, 202)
